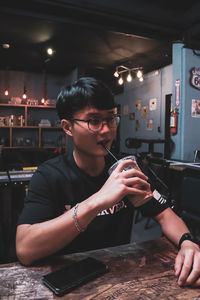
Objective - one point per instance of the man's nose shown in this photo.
(105, 126)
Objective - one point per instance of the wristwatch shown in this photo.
(187, 236)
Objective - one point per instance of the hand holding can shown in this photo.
(136, 200)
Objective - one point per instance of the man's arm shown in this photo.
(39, 240)
(187, 265)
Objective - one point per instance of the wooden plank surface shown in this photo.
(137, 271)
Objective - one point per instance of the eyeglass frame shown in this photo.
(104, 119)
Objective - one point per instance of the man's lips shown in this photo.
(103, 143)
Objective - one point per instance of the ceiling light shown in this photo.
(6, 46)
(129, 77)
(116, 74)
(123, 69)
(141, 79)
(121, 81)
(6, 92)
(50, 51)
(139, 74)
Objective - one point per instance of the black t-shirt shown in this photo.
(58, 184)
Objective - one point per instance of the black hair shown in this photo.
(85, 91)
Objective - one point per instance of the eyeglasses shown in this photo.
(96, 125)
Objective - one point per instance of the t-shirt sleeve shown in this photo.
(154, 206)
(38, 206)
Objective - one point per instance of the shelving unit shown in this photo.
(30, 133)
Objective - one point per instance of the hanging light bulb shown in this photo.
(24, 96)
(50, 51)
(6, 92)
(116, 74)
(120, 81)
(139, 74)
(141, 79)
(129, 77)
(44, 92)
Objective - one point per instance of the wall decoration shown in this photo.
(137, 127)
(195, 78)
(195, 108)
(138, 104)
(153, 104)
(149, 124)
(132, 116)
(125, 111)
(177, 92)
(145, 111)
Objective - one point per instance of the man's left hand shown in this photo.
(187, 264)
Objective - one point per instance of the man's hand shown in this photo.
(187, 265)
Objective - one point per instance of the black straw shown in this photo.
(109, 152)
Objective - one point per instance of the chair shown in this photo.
(189, 203)
(133, 143)
(196, 156)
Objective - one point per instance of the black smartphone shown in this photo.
(76, 274)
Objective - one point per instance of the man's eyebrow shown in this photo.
(98, 115)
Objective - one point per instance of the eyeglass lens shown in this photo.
(96, 125)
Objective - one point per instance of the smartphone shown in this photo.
(67, 279)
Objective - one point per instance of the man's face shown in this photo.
(85, 140)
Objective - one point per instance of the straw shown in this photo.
(109, 152)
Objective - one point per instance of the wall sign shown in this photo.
(177, 92)
(195, 108)
(195, 78)
(153, 104)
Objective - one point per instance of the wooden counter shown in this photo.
(137, 271)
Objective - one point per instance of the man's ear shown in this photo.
(66, 126)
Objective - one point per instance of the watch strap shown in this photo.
(187, 236)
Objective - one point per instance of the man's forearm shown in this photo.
(36, 241)
(172, 225)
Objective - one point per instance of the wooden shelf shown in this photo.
(37, 133)
(31, 127)
(26, 105)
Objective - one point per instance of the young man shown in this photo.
(72, 203)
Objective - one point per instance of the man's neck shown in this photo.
(92, 165)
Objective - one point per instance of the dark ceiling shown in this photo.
(96, 35)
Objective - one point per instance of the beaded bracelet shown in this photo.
(75, 219)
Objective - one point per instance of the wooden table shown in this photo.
(137, 271)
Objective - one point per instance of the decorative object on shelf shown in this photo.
(2, 121)
(123, 69)
(44, 123)
(32, 101)
(50, 102)
(15, 100)
(57, 123)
